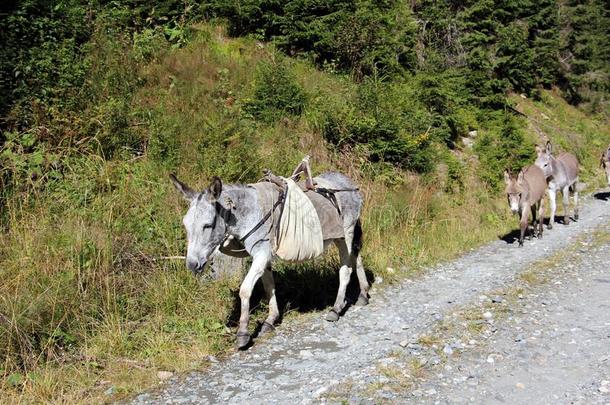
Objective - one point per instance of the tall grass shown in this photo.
(89, 310)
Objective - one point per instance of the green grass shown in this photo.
(85, 302)
(569, 129)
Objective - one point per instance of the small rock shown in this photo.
(212, 359)
(490, 359)
(378, 279)
(164, 375)
(110, 391)
(417, 393)
(473, 134)
(458, 345)
(604, 389)
(320, 391)
(305, 353)
(497, 300)
(404, 343)
(487, 315)
(448, 350)
(520, 385)
(467, 142)
(390, 270)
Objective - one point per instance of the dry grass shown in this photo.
(86, 313)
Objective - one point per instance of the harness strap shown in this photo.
(337, 190)
(266, 217)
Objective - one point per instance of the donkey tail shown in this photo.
(357, 239)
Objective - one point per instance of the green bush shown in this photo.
(356, 36)
(276, 93)
(503, 147)
(384, 130)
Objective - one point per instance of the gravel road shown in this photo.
(419, 342)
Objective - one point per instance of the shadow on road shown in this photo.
(299, 287)
(513, 236)
(602, 195)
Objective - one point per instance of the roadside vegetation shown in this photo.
(99, 102)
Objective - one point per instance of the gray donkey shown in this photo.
(561, 174)
(525, 192)
(605, 163)
(235, 214)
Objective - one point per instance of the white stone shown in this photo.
(164, 375)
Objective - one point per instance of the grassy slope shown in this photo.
(569, 129)
(84, 286)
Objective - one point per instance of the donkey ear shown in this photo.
(215, 188)
(538, 149)
(506, 176)
(520, 177)
(188, 193)
(549, 147)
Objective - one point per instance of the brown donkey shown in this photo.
(525, 192)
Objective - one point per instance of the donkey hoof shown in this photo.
(242, 341)
(576, 217)
(266, 328)
(362, 301)
(566, 220)
(550, 226)
(520, 243)
(332, 316)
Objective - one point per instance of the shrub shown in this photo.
(276, 93)
(503, 147)
(384, 130)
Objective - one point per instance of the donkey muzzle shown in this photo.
(195, 265)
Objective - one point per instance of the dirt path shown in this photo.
(379, 353)
(549, 345)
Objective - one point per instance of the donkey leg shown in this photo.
(552, 196)
(534, 232)
(523, 223)
(274, 312)
(245, 292)
(344, 276)
(576, 210)
(356, 261)
(565, 194)
(363, 297)
(540, 217)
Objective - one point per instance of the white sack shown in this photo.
(300, 233)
